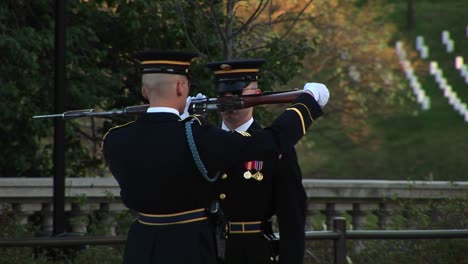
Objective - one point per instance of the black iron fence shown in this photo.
(339, 235)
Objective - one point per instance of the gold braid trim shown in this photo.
(110, 129)
(308, 111)
(300, 116)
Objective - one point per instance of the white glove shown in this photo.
(320, 92)
(185, 114)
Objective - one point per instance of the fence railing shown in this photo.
(31, 198)
(339, 235)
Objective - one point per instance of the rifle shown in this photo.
(197, 106)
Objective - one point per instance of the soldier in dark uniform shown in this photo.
(165, 166)
(251, 192)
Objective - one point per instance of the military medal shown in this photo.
(255, 165)
(248, 165)
(258, 176)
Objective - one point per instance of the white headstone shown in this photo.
(457, 106)
(433, 67)
(399, 45)
(450, 45)
(399, 50)
(453, 98)
(420, 95)
(464, 108)
(426, 103)
(447, 93)
(424, 52)
(419, 42)
(463, 70)
(445, 36)
(458, 62)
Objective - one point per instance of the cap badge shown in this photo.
(225, 67)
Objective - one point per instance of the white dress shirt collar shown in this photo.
(241, 128)
(162, 110)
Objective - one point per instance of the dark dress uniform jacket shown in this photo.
(151, 160)
(280, 192)
(291, 204)
(247, 200)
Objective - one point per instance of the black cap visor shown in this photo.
(234, 87)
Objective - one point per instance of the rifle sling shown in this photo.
(196, 157)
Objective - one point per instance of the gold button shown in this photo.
(224, 176)
(222, 196)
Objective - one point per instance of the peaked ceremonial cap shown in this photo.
(234, 75)
(170, 62)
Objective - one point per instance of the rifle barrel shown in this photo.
(197, 106)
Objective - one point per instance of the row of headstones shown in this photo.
(423, 50)
(420, 94)
(448, 42)
(452, 97)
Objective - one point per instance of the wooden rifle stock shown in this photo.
(271, 98)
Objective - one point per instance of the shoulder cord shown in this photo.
(196, 156)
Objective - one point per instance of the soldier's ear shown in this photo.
(144, 92)
(180, 88)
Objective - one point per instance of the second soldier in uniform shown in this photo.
(251, 192)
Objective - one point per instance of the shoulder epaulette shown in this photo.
(110, 129)
(245, 134)
(115, 127)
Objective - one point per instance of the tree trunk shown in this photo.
(228, 30)
(410, 15)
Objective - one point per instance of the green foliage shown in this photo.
(98, 255)
(10, 228)
(101, 36)
(406, 142)
(24, 71)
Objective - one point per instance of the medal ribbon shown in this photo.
(254, 164)
(249, 165)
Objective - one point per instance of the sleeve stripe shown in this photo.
(308, 110)
(300, 116)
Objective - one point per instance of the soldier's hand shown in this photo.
(185, 114)
(319, 91)
(199, 96)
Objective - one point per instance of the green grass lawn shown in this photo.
(412, 144)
